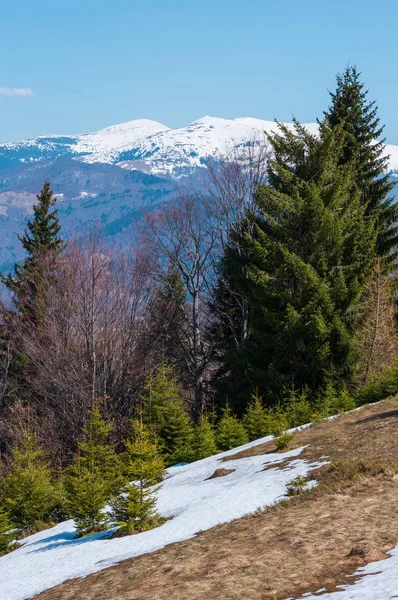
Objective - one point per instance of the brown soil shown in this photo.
(221, 473)
(303, 544)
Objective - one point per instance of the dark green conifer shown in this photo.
(167, 318)
(41, 238)
(351, 111)
(307, 259)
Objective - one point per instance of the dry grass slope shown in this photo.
(311, 541)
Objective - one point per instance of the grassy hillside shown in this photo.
(311, 541)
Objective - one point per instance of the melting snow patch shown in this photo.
(375, 581)
(195, 502)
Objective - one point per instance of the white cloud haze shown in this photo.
(24, 92)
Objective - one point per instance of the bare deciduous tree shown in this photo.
(183, 234)
(89, 343)
(376, 333)
(230, 185)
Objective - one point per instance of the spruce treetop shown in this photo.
(42, 232)
(351, 110)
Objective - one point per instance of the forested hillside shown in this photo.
(256, 300)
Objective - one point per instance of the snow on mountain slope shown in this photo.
(109, 142)
(195, 503)
(105, 142)
(186, 148)
(151, 147)
(121, 169)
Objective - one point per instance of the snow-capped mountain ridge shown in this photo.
(150, 146)
(111, 174)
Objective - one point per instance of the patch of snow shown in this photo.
(374, 581)
(196, 503)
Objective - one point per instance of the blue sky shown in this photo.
(85, 65)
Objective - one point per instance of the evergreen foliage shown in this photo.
(307, 260)
(230, 333)
(167, 317)
(204, 440)
(256, 418)
(378, 387)
(6, 533)
(298, 407)
(94, 478)
(41, 236)
(135, 509)
(96, 452)
(28, 492)
(351, 111)
(230, 431)
(163, 409)
(283, 440)
(86, 495)
(177, 434)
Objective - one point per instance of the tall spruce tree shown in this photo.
(307, 256)
(351, 111)
(41, 236)
(230, 332)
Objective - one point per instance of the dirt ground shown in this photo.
(312, 541)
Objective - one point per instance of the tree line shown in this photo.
(274, 278)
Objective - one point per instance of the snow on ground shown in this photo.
(50, 557)
(374, 581)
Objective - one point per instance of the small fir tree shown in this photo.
(177, 434)
(6, 531)
(96, 452)
(345, 401)
(204, 440)
(297, 407)
(230, 431)
(86, 495)
(135, 509)
(163, 409)
(28, 492)
(94, 478)
(256, 418)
